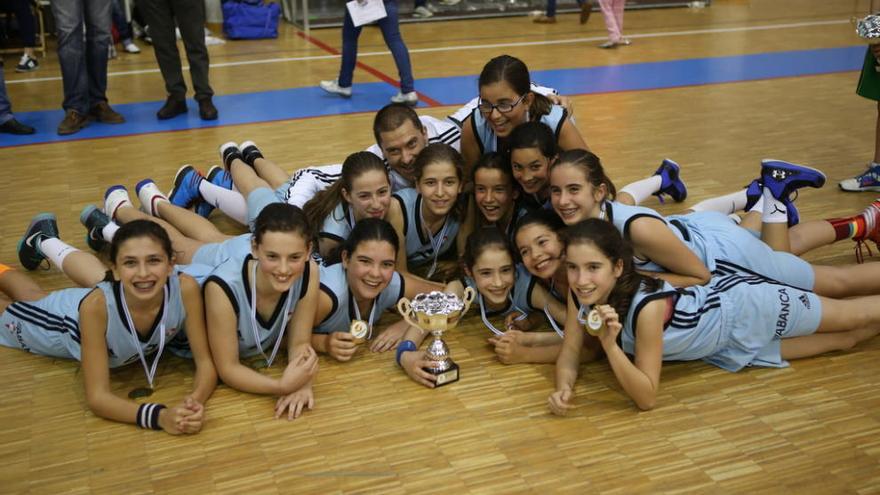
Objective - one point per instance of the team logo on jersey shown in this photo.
(15, 329)
(805, 300)
(784, 309)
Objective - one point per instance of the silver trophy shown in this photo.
(437, 312)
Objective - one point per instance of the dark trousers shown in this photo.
(190, 16)
(27, 25)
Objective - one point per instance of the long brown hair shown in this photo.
(594, 173)
(355, 165)
(606, 238)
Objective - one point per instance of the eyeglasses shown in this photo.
(486, 107)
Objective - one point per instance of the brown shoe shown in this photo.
(103, 113)
(586, 10)
(543, 19)
(72, 123)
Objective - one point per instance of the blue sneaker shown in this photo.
(783, 178)
(42, 226)
(792, 211)
(185, 191)
(670, 182)
(867, 181)
(218, 177)
(754, 193)
(94, 221)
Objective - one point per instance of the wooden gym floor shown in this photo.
(810, 428)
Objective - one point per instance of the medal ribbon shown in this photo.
(254, 325)
(151, 371)
(436, 242)
(523, 315)
(357, 313)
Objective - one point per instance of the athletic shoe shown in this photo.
(218, 177)
(334, 87)
(114, 198)
(783, 178)
(27, 64)
(250, 152)
(754, 193)
(43, 226)
(869, 180)
(229, 152)
(608, 44)
(670, 181)
(94, 221)
(422, 12)
(130, 47)
(793, 217)
(185, 191)
(410, 98)
(872, 230)
(149, 195)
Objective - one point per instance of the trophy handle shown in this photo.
(469, 295)
(405, 308)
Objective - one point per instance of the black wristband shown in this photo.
(148, 416)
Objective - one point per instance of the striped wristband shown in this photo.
(148, 416)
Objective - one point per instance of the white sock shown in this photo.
(758, 206)
(726, 204)
(641, 190)
(56, 250)
(736, 218)
(774, 210)
(109, 231)
(232, 203)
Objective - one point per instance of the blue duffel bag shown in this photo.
(250, 20)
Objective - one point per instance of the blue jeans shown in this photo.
(551, 7)
(5, 106)
(391, 32)
(122, 25)
(83, 63)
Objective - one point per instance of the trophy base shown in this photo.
(446, 376)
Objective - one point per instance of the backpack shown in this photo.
(250, 19)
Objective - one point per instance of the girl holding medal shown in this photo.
(131, 316)
(507, 100)
(533, 148)
(272, 266)
(431, 209)
(357, 290)
(737, 320)
(686, 250)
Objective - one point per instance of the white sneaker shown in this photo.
(130, 47)
(111, 52)
(422, 12)
(433, 8)
(149, 195)
(114, 198)
(450, 2)
(410, 98)
(334, 87)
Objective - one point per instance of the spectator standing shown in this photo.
(612, 11)
(190, 18)
(83, 62)
(8, 124)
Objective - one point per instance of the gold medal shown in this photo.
(594, 323)
(359, 330)
(140, 392)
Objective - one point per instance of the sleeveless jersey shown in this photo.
(335, 284)
(488, 141)
(419, 250)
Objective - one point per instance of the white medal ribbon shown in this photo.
(254, 325)
(523, 315)
(553, 324)
(435, 245)
(151, 371)
(357, 314)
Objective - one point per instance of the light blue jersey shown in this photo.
(234, 277)
(520, 297)
(50, 326)
(714, 237)
(488, 141)
(335, 284)
(216, 253)
(338, 224)
(736, 320)
(420, 248)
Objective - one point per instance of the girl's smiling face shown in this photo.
(530, 169)
(282, 258)
(540, 249)
(493, 193)
(494, 274)
(501, 93)
(142, 267)
(573, 198)
(439, 186)
(370, 195)
(369, 268)
(591, 274)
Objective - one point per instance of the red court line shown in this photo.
(372, 70)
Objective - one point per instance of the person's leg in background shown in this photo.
(123, 27)
(390, 26)
(342, 85)
(608, 13)
(159, 15)
(27, 28)
(8, 123)
(190, 15)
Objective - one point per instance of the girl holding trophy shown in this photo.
(737, 320)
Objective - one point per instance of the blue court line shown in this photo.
(296, 103)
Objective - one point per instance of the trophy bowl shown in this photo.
(437, 312)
